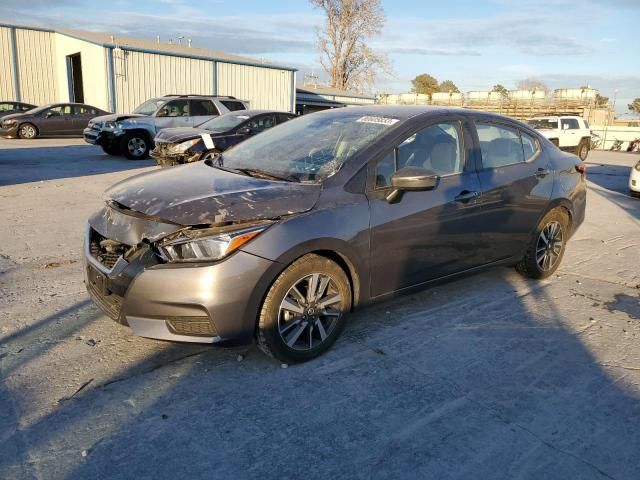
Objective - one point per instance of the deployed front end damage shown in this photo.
(174, 269)
(135, 272)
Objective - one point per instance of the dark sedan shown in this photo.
(7, 108)
(176, 146)
(281, 236)
(53, 120)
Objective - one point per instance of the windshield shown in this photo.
(150, 106)
(309, 148)
(224, 122)
(543, 123)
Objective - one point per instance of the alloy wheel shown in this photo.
(309, 311)
(27, 131)
(136, 146)
(549, 246)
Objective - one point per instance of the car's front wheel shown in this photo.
(583, 150)
(304, 310)
(27, 131)
(135, 146)
(547, 245)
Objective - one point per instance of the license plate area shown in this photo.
(97, 281)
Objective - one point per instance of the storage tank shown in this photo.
(586, 93)
(519, 95)
(446, 98)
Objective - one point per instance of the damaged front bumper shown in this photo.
(165, 159)
(203, 303)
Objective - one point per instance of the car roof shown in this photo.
(405, 112)
(252, 112)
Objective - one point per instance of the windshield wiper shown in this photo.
(253, 172)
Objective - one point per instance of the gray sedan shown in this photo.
(282, 236)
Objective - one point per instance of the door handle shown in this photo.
(465, 196)
(542, 172)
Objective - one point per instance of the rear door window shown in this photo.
(203, 108)
(569, 124)
(500, 145)
(4, 107)
(530, 146)
(284, 118)
(232, 106)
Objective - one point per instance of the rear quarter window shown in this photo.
(233, 106)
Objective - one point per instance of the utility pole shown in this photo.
(606, 127)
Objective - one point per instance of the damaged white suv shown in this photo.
(569, 132)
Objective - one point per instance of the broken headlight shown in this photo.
(208, 248)
(183, 147)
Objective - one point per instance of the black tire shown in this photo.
(530, 265)
(27, 131)
(315, 331)
(111, 149)
(135, 146)
(583, 150)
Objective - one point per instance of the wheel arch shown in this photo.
(27, 122)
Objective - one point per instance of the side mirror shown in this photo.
(411, 179)
(244, 131)
(163, 112)
(48, 115)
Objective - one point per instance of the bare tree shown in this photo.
(532, 84)
(345, 56)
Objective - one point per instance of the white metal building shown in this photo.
(44, 65)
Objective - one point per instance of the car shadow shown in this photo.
(437, 381)
(33, 164)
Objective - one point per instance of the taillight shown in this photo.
(582, 168)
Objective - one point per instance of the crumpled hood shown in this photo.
(197, 194)
(181, 134)
(116, 117)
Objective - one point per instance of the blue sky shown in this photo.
(474, 43)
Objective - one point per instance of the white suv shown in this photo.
(569, 132)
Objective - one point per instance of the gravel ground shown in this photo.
(492, 376)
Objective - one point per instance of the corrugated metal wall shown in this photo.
(6, 66)
(140, 76)
(263, 87)
(36, 68)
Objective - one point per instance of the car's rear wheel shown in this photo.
(27, 131)
(583, 150)
(135, 146)
(111, 149)
(547, 245)
(304, 310)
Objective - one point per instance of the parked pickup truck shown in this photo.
(569, 132)
(132, 134)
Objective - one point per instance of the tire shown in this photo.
(583, 150)
(532, 265)
(210, 154)
(111, 149)
(135, 146)
(297, 331)
(27, 131)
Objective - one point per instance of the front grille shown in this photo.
(105, 251)
(109, 302)
(194, 326)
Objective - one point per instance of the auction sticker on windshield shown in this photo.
(208, 142)
(379, 120)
